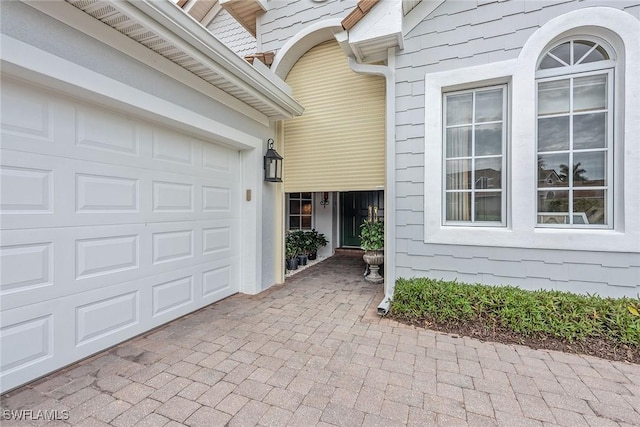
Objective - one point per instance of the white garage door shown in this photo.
(110, 226)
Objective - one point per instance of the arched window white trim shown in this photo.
(575, 112)
(621, 31)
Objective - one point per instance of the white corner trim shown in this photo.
(251, 221)
(78, 20)
(29, 63)
(301, 42)
(521, 188)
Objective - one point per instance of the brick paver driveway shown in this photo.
(313, 352)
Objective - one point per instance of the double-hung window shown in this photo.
(474, 157)
(574, 136)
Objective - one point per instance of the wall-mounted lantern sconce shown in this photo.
(325, 199)
(272, 164)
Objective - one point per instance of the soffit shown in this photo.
(199, 52)
(374, 28)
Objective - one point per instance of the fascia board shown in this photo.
(196, 40)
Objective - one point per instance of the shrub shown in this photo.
(372, 235)
(530, 313)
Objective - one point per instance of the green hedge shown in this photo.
(530, 313)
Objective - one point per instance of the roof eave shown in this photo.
(376, 31)
(236, 69)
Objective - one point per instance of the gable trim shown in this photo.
(418, 14)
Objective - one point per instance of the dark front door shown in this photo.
(355, 210)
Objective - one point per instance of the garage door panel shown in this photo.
(40, 193)
(26, 114)
(217, 282)
(173, 148)
(35, 269)
(111, 226)
(26, 190)
(27, 266)
(217, 158)
(171, 295)
(29, 341)
(168, 246)
(106, 194)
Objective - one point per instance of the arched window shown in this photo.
(574, 81)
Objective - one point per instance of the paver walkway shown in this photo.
(313, 352)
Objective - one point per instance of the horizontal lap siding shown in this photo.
(338, 143)
(457, 35)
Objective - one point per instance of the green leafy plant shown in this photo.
(315, 240)
(292, 245)
(372, 235)
(539, 313)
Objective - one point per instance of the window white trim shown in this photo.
(473, 157)
(609, 150)
(622, 31)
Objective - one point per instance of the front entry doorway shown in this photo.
(354, 211)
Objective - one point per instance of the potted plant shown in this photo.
(372, 241)
(317, 240)
(291, 252)
(302, 242)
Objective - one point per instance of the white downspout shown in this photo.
(388, 71)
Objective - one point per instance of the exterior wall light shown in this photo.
(325, 199)
(272, 164)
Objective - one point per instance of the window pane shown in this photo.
(459, 142)
(488, 206)
(580, 49)
(598, 54)
(589, 169)
(306, 222)
(590, 93)
(488, 173)
(552, 170)
(459, 206)
(306, 195)
(458, 174)
(549, 62)
(589, 207)
(294, 222)
(590, 131)
(553, 134)
(563, 52)
(489, 106)
(294, 195)
(488, 139)
(306, 207)
(294, 206)
(553, 207)
(553, 97)
(459, 109)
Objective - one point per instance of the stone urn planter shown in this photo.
(374, 258)
(372, 241)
